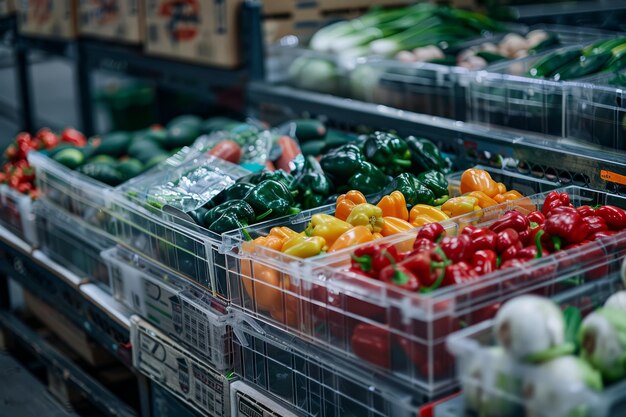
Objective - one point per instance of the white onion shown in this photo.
(617, 300)
(603, 344)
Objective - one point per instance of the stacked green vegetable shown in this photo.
(572, 63)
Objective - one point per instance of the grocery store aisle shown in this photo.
(25, 396)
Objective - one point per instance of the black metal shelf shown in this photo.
(573, 163)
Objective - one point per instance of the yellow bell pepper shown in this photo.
(422, 214)
(458, 206)
(377, 235)
(353, 237)
(484, 200)
(394, 225)
(303, 246)
(367, 215)
(346, 202)
(282, 232)
(394, 205)
(478, 180)
(501, 188)
(328, 227)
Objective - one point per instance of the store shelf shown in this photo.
(64, 368)
(571, 162)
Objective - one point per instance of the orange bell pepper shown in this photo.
(377, 235)
(282, 232)
(394, 225)
(508, 196)
(354, 236)
(262, 283)
(484, 200)
(501, 188)
(394, 205)
(346, 202)
(478, 180)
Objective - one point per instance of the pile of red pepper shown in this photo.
(16, 171)
(437, 260)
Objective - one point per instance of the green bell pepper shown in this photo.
(413, 190)
(435, 181)
(226, 222)
(312, 184)
(341, 163)
(239, 208)
(198, 215)
(368, 179)
(271, 199)
(236, 191)
(387, 151)
(425, 155)
(258, 177)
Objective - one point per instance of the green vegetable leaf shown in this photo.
(573, 319)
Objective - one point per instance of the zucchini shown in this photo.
(102, 172)
(547, 65)
(312, 147)
(57, 149)
(448, 60)
(156, 159)
(335, 139)
(585, 66)
(551, 41)
(130, 168)
(309, 129)
(103, 159)
(181, 135)
(114, 144)
(490, 56)
(215, 124)
(70, 157)
(186, 119)
(158, 136)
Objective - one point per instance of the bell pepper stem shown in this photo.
(246, 235)
(365, 262)
(294, 210)
(557, 242)
(437, 282)
(402, 162)
(441, 200)
(538, 244)
(264, 215)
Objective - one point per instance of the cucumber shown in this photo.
(217, 123)
(181, 135)
(70, 157)
(103, 159)
(102, 172)
(141, 146)
(309, 129)
(618, 61)
(547, 65)
(490, 56)
(114, 144)
(130, 168)
(57, 149)
(603, 46)
(449, 60)
(158, 136)
(186, 119)
(585, 66)
(551, 41)
(312, 147)
(156, 159)
(335, 139)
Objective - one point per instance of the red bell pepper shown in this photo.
(614, 217)
(484, 240)
(372, 344)
(422, 244)
(595, 224)
(511, 263)
(511, 252)
(432, 232)
(48, 138)
(74, 137)
(536, 217)
(484, 261)
(533, 252)
(401, 276)
(601, 234)
(371, 259)
(470, 230)
(553, 200)
(511, 220)
(458, 273)
(507, 238)
(428, 267)
(457, 248)
(24, 187)
(586, 211)
(562, 209)
(568, 227)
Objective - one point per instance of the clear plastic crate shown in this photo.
(596, 112)
(16, 214)
(314, 381)
(72, 243)
(321, 301)
(180, 372)
(173, 304)
(247, 401)
(470, 348)
(164, 404)
(503, 96)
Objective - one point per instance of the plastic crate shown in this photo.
(319, 300)
(173, 304)
(469, 347)
(246, 401)
(72, 243)
(314, 381)
(164, 404)
(181, 373)
(596, 112)
(16, 214)
(503, 96)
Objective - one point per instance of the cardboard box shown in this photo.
(48, 18)
(7, 7)
(119, 20)
(202, 31)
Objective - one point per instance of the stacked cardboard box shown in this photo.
(119, 20)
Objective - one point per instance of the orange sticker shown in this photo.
(613, 177)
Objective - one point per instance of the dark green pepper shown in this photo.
(387, 151)
(258, 177)
(413, 190)
(368, 179)
(341, 163)
(239, 208)
(227, 222)
(198, 215)
(425, 155)
(271, 199)
(236, 191)
(435, 181)
(312, 184)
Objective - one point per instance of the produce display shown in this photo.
(572, 63)
(551, 358)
